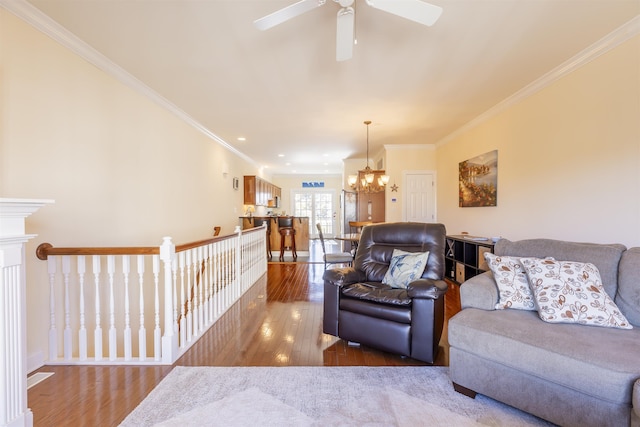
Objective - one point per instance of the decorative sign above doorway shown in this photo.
(313, 184)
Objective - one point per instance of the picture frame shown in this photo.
(478, 181)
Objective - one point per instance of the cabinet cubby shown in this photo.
(464, 257)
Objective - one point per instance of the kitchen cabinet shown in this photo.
(371, 206)
(260, 192)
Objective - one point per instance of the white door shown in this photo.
(419, 197)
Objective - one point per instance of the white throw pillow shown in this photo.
(405, 267)
(572, 292)
(512, 281)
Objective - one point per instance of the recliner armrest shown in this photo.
(343, 276)
(427, 288)
(480, 292)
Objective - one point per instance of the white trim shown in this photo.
(35, 17)
(430, 147)
(604, 45)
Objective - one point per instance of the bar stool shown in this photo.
(257, 222)
(285, 228)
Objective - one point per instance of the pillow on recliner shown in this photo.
(405, 267)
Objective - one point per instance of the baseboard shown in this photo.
(35, 361)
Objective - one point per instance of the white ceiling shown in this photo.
(283, 90)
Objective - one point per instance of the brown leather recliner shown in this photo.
(358, 307)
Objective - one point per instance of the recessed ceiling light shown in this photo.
(280, 155)
(287, 164)
(242, 138)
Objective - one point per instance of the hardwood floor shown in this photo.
(278, 322)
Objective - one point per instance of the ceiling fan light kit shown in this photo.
(413, 10)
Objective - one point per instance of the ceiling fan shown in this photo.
(414, 10)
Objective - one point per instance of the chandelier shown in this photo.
(368, 180)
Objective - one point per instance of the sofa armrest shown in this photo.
(480, 292)
(343, 276)
(427, 288)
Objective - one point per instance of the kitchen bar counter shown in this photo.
(300, 224)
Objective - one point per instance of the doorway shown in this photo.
(419, 197)
(319, 206)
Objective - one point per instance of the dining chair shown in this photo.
(333, 258)
(355, 227)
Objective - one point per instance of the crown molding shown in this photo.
(392, 147)
(604, 45)
(36, 18)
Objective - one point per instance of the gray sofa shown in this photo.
(569, 374)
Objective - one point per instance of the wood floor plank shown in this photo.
(279, 324)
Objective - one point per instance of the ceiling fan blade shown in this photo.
(414, 10)
(344, 34)
(289, 12)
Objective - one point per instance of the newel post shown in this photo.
(13, 311)
(169, 338)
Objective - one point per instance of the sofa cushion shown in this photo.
(628, 297)
(584, 358)
(605, 257)
(405, 267)
(571, 292)
(513, 285)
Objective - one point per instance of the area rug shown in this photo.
(317, 396)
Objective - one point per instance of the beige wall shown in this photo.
(121, 169)
(568, 159)
(400, 159)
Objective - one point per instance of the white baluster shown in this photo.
(113, 344)
(215, 279)
(142, 334)
(207, 286)
(127, 320)
(187, 298)
(183, 314)
(174, 289)
(66, 271)
(53, 339)
(157, 335)
(221, 277)
(97, 335)
(202, 270)
(82, 332)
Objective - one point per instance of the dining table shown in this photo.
(352, 238)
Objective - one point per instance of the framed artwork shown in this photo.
(478, 181)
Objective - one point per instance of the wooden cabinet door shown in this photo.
(375, 210)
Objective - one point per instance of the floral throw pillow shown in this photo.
(513, 285)
(571, 292)
(405, 267)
